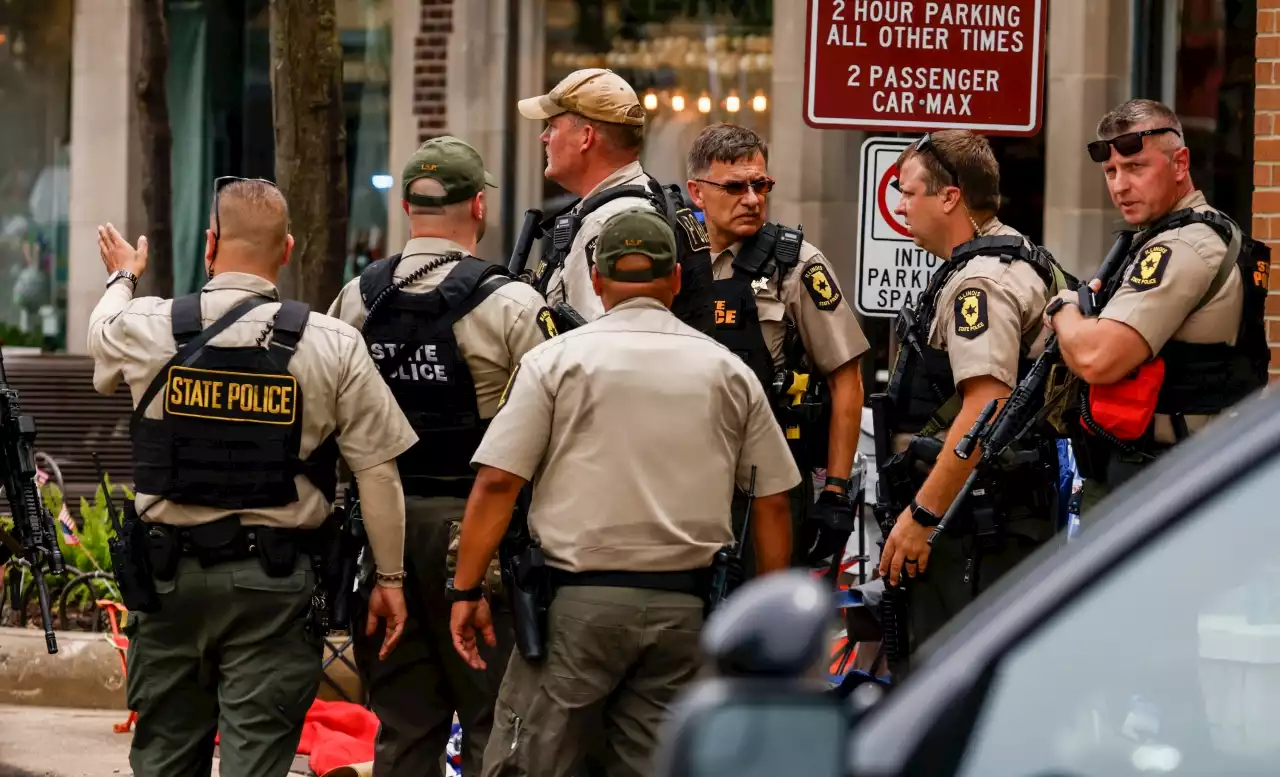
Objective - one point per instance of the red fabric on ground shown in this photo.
(337, 733)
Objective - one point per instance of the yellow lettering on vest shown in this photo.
(273, 400)
(215, 394)
(197, 393)
(233, 395)
(175, 390)
(257, 400)
(286, 400)
(246, 399)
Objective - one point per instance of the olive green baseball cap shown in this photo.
(455, 164)
(593, 92)
(636, 231)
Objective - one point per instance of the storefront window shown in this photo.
(1198, 57)
(692, 62)
(35, 89)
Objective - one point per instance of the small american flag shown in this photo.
(68, 526)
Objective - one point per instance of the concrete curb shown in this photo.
(85, 672)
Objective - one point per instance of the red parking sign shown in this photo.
(916, 65)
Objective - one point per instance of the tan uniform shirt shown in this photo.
(492, 337)
(132, 339)
(1166, 279)
(988, 315)
(572, 282)
(634, 430)
(809, 296)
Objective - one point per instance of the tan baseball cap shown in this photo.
(596, 93)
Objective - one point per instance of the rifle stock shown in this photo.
(530, 230)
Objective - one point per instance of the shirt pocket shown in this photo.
(770, 308)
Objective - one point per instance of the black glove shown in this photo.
(827, 529)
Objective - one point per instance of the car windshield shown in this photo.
(1170, 664)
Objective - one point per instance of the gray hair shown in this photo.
(623, 138)
(726, 143)
(1142, 113)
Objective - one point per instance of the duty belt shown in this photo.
(227, 540)
(695, 581)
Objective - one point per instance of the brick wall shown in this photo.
(429, 72)
(1266, 156)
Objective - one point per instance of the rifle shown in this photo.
(565, 317)
(36, 538)
(894, 621)
(998, 432)
(728, 560)
(345, 560)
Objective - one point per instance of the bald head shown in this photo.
(462, 222)
(249, 228)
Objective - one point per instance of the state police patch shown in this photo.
(821, 286)
(1149, 270)
(547, 323)
(971, 313)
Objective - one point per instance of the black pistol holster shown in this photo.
(131, 563)
(526, 579)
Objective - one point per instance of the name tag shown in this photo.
(231, 396)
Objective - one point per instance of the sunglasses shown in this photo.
(1128, 144)
(739, 188)
(925, 145)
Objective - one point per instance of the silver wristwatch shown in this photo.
(125, 274)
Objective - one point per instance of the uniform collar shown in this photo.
(242, 281)
(992, 226)
(637, 303)
(620, 176)
(731, 252)
(437, 246)
(1193, 199)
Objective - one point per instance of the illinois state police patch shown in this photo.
(971, 313)
(547, 323)
(506, 391)
(822, 287)
(1149, 270)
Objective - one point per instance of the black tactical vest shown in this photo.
(232, 418)
(1207, 378)
(922, 381)
(693, 305)
(773, 251)
(410, 337)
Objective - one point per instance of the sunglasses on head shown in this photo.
(221, 183)
(925, 145)
(739, 188)
(1128, 144)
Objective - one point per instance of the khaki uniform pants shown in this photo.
(226, 654)
(616, 657)
(423, 682)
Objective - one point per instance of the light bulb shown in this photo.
(732, 104)
(677, 102)
(704, 104)
(759, 103)
(651, 102)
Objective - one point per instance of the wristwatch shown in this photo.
(1054, 306)
(452, 594)
(922, 515)
(125, 274)
(844, 483)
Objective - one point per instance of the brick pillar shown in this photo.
(1266, 157)
(429, 71)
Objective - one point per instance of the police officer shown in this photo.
(779, 308)
(446, 333)
(595, 130)
(966, 341)
(1189, 300)
(235, 439)
(635, 430)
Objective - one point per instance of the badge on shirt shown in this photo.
(1149, 270)
(821, 286)
(506, 390)
(971, 313)
(693, 229)
(547, 323)
(591, 251)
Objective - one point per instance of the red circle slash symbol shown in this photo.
(882, 202)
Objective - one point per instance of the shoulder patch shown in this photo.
(1149, 269)
(590, 248)
(971, 313)
(506, 390)
(693, 229)
(821, 286)
(547, 323)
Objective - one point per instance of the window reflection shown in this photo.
(1169, 665)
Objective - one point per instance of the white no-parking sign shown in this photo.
(892, 271)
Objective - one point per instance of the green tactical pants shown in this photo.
(958, 572)
(616, 658)
(423, 682)
(227, 654)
